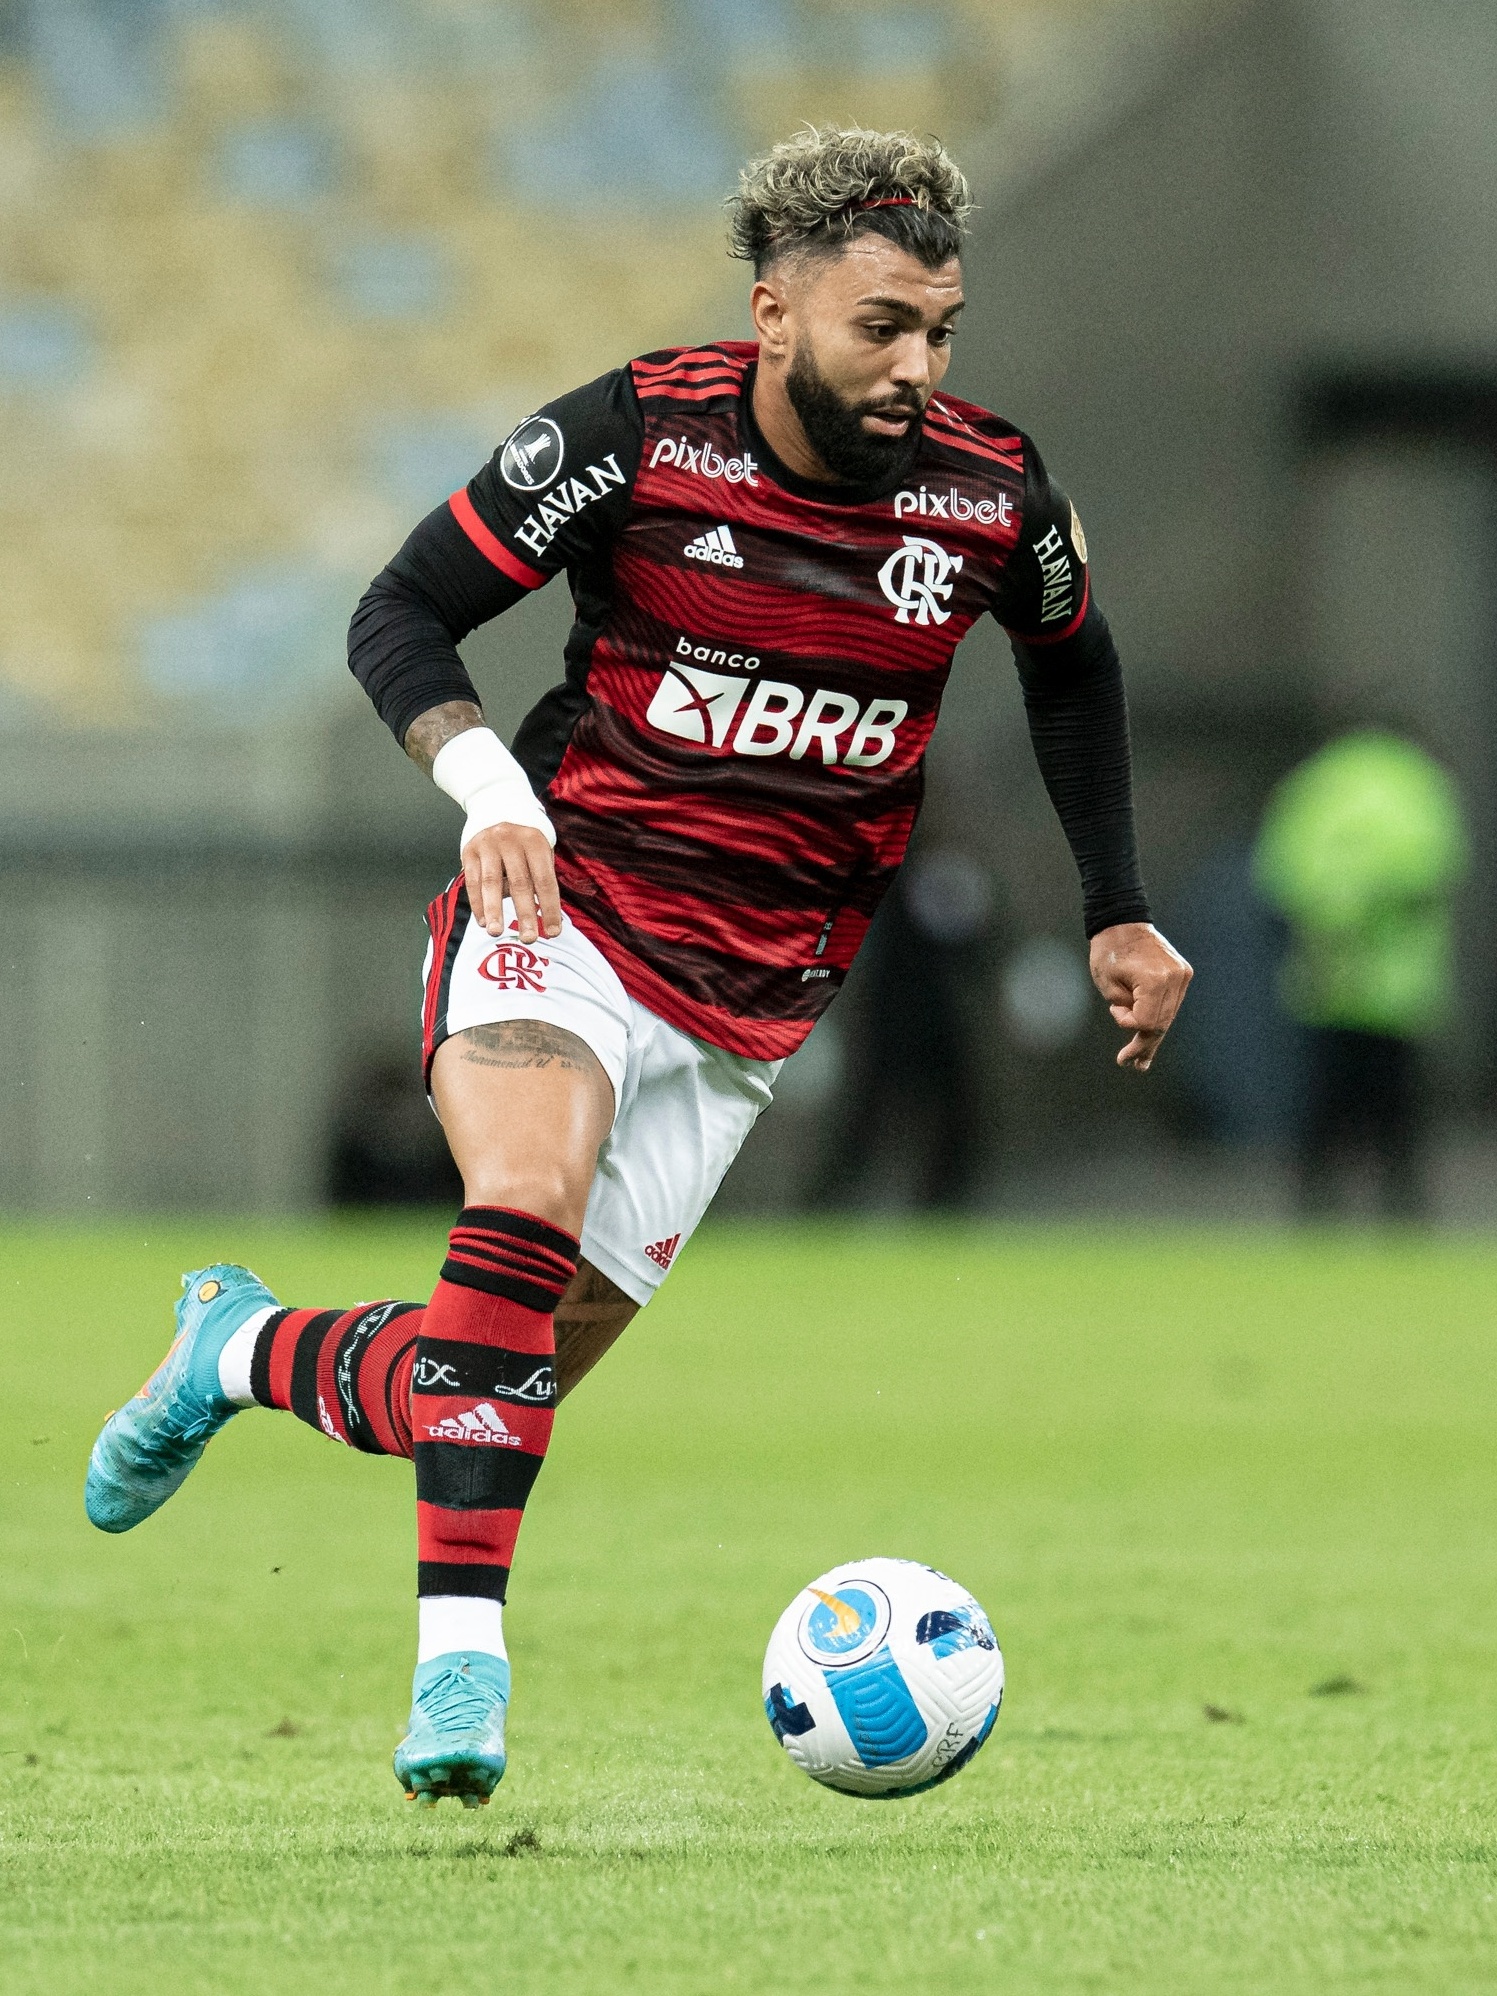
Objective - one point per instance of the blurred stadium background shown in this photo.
(276, 275)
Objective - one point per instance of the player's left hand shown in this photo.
(1143, 978)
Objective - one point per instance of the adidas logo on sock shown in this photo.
(663, 1252)
(475, 1424)
(716, 547)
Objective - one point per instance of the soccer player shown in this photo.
(774, 549)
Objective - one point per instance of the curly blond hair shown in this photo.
(819, 188)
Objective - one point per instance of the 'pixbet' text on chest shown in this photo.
(703, 461)
(954, 504)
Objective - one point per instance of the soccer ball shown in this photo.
(883, 1677)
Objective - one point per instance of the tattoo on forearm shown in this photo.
(432, 730)
(526, 1043)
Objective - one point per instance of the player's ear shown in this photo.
(770, 311)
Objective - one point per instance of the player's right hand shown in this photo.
(513, 860)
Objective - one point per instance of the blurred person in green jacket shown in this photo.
(1361, 851)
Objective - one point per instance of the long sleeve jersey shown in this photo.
(733, 762)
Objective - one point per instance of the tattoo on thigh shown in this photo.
(526, 1043)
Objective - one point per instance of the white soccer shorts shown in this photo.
(682, 1109)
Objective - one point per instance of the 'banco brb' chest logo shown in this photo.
(915, 579)
(513, 967)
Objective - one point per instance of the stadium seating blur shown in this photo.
(276, 274)
(275, 277)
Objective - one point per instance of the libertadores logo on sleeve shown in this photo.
(531, 457)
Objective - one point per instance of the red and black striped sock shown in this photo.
(346, 1373)
(483, 1395)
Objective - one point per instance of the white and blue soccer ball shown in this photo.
(883, 1677)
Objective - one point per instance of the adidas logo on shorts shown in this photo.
(716, 547)
(664, 1252)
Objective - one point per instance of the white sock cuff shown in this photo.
(465, 1622)
(238, 1355)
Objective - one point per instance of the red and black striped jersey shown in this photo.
(733, 763)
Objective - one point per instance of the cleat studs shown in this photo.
(475, 1801)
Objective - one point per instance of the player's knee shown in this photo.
(550, 1192)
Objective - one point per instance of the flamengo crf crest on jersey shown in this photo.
(915, 580)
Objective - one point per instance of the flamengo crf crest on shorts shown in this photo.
(513, 967)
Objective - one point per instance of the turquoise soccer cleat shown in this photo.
(145, 1451)
(455, 1745)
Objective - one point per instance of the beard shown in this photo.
(835, 430)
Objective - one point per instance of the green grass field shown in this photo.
(1180, 1471)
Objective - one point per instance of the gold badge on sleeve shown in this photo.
(1078, 539)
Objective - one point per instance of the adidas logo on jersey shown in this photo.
(663, 1253)
(716, 547)
(475, 1424)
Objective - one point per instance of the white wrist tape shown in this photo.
(478, 772)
